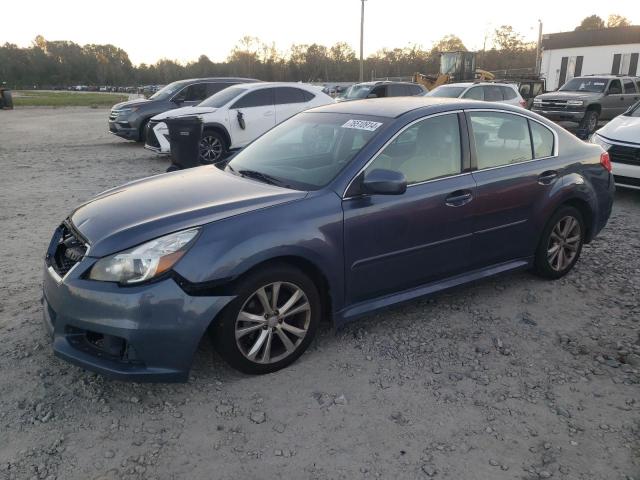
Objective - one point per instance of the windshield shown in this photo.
(307, 151)
(223, 97)
(167, 92)
(449, 92)
(358, 91)
(595, 85)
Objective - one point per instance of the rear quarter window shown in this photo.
(543, 140)
(508, 93)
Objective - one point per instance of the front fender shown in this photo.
(309, 229)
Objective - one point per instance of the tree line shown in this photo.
(46, 64)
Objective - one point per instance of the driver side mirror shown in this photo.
(383, 182)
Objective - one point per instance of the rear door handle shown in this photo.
(458, 198)
(545, 178)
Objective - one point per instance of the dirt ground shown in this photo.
(510, 378)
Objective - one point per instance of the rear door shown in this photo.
(397, 242)
(631, 95)
(514, 176)
(288, 102)
(251, 115)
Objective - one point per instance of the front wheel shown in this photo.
(213, 147)
(270, 323)
(590, 121)
(561, 243)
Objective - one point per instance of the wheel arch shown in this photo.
(219, 128)
(585, 210)
(595, 106)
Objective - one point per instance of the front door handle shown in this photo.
(545, 178)
(458, 198)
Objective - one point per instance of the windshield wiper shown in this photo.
(261, 176)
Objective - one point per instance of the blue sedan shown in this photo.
(338, 212)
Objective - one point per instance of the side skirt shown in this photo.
(360, 309)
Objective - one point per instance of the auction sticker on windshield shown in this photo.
(362, 125)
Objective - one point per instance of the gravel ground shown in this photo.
(510, 378)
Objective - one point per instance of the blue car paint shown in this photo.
(367, 252)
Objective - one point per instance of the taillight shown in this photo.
(605, 161)
(523, 103)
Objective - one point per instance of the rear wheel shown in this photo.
(561, 243)
(270, 323)
(213, 147)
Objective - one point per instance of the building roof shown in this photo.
(592, 38)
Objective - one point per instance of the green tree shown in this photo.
(592, 22)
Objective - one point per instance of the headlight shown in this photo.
(145, 261)
(575, 103)
(127, 111)
(597, 139)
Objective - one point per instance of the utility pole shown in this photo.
(362, 40)
(538, 45)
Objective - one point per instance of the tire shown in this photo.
(262, 346)
(142, 137)
(590, 121)
(559, 248)
(213, 147)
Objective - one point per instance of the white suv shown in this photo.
(487, 91)
(237, 115)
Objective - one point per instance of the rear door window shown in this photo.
(213, 88)
(542, 140)
(500, 139)
(379, 91)
(508, 93)
(256, 98)
(289, 95)
(196, 92)
(492, 93)
(474, 93)
(615, 87)
(629, 86)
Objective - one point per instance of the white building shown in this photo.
(589, 52)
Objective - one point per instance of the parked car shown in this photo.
(334, 213)
(621, 139)
(587, 100)
(487, 91)
(129, 119)
(236, 116)
(380, 89)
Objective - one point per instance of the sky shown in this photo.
(183, 30)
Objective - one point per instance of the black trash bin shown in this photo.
(184, 137)
(6, 100)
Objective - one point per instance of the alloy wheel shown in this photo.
(273, 322)
(564, 243)
(593, 122)
(210, 149)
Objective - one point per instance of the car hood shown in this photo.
(622, 129)
(130, 103)
(195, 110)
(139, 211)
(566, 95)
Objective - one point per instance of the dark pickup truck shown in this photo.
(587, 100)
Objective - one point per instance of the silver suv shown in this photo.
(589, 99)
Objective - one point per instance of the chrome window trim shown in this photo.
(396, 135)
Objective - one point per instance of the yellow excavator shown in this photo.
(454, 67)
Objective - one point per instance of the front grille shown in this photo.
(152, 140)
(552, 105)
(630, 181)
(68, 251)
(624, 154)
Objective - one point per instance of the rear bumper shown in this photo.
(145, 333)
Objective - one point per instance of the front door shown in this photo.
(516, 170)
(613, 103)
(251, 115)
(631, 94)
(394, 243)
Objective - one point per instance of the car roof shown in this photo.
(219, 79)
(256, 85)
(474, 84)
(393, 107)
